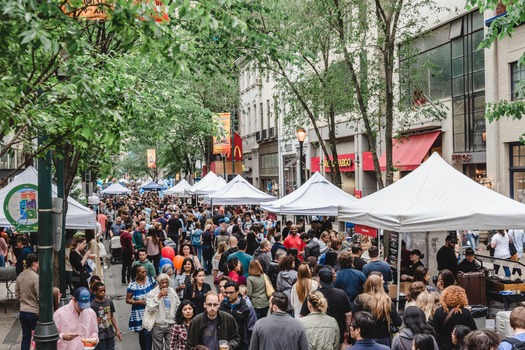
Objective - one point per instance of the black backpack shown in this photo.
(516, 343)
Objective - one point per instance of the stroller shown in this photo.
(115, 249)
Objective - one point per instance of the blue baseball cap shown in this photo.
(83, 298)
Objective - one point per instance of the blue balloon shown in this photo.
(165, 261)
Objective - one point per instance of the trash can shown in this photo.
(479, 313)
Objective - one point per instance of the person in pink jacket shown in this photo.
(76, 321)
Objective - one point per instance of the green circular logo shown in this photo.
(21, 207)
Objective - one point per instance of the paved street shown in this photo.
(10, 331)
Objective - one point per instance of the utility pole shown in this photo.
(46, 333)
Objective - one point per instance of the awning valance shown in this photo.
(409, 152)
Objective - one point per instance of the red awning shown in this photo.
(408, 152)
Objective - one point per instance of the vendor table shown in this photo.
(506, 299)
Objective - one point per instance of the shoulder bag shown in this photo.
(269, 287)
(512, 250)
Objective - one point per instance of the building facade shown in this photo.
(455, 71)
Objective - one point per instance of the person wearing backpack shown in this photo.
(196, 240)
(517, 322)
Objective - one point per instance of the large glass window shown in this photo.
(517, 171)
(517, 79)
(468, 86)
(451, 65)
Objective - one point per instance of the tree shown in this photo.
(63, 74)
(499, 28)
(311, 35)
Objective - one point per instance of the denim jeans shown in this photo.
(106, 344)
(473, 239)
(145, 339)
(28, 321)
(2, 261)
(506, 269)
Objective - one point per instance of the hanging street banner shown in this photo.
(222, 142)
(21, 207)
(152, 158)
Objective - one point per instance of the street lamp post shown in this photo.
(301, 135)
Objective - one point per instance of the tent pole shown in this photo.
(398, 277)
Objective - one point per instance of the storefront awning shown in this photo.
(408, 152)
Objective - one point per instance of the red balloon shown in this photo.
(168, 252)
(177, 261)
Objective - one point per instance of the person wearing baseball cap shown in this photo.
(415, 259)
(469, 263)
(76, 321)
(446, 255)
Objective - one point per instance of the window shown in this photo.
(268, 113)
(248, 121)
(517, 81)
(517, 171)
(261, 114)
(255, 117)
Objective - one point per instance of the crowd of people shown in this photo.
(273, 287)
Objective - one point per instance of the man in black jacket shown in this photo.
(244, 315)
(213, 325)
(446, 255)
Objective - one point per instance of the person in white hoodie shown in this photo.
(159, 317)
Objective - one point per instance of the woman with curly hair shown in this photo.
(183, 317)
(451, 313)
(378, 303)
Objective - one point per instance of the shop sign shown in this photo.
(365, 230)
(461, 158)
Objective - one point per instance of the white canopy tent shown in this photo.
(213, 187)
(207, 185)
(435, 197)
(317, 196)
(78, 217)
(179, 189)
(205, 181)
(238, 191)
(116, 188)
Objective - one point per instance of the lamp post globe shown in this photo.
(301, 136)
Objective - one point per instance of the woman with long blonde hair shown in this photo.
(378, 303)
(300, 290)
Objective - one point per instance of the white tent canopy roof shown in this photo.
(116, 188)
(238, 191)
(212, 187)
(179, 189)
(205, 181)
(435, 197)
(78, 217)
(317, 196)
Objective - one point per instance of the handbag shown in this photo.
(269, 287)
(84, 273)
(512, 249)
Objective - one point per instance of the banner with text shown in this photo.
(152, 158)
(222, 142)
